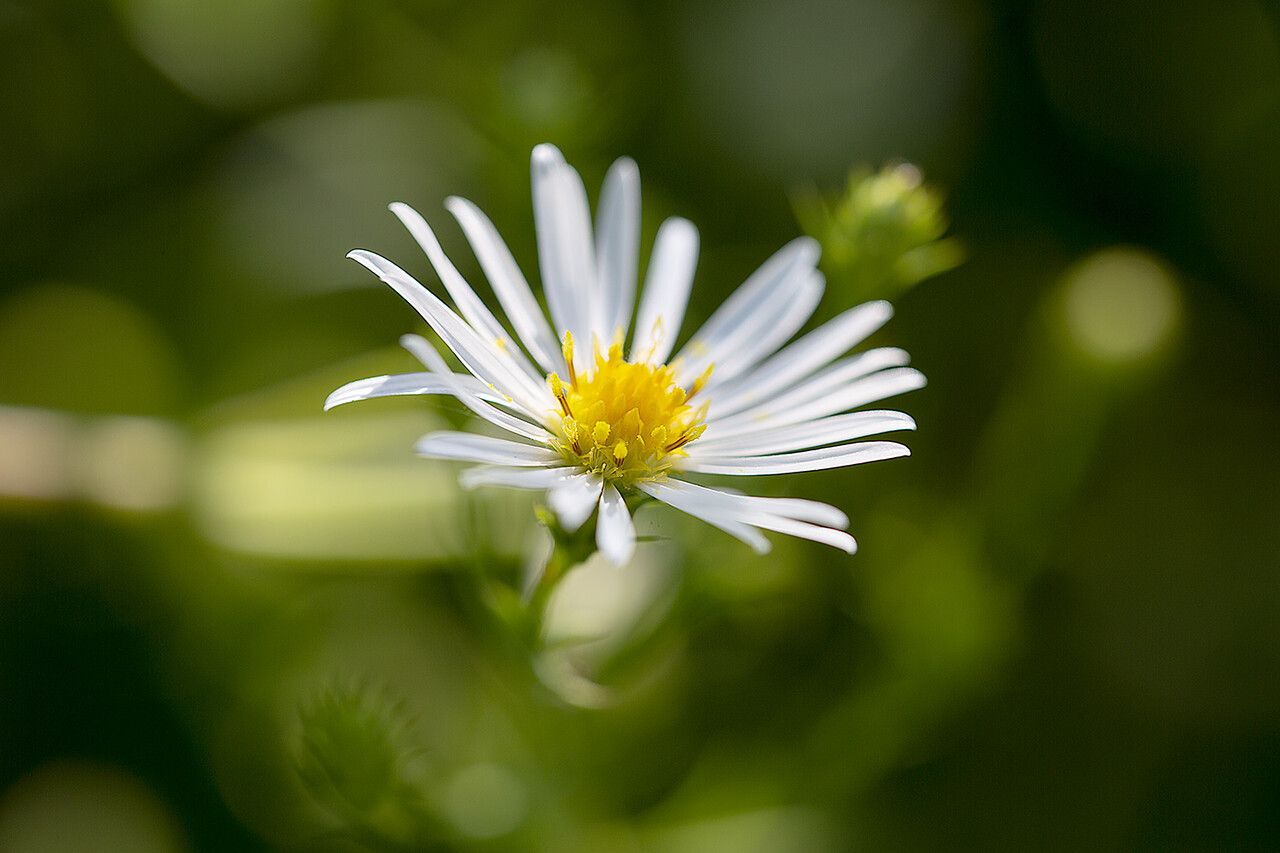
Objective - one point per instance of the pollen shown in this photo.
(625, 421)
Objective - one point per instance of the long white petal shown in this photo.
(799, 509)
(403, 384)
(427, 354)
(806, 355)
(755, 505)
(615, 532)
(574, 499)
(822, 458)
(797, 257)
(804, 530)
(666, 291)
(481, 356)
(536, 479)
(714, 514)
(834, 376)
(470, 447)
(469, 304)
(807, 519)
(773, 319)
(617, 247)
(877, 386)
(508, 284)
(830, 430)
(562, 221)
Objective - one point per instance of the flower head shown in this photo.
(594, 420)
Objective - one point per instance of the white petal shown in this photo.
(820, 347)
(804, 530)
(615, 532)
(829, 430)
(574, 499)
(779, 314)
(756, 505)
(796, 258)
(481, 356)
(834, 376)
(783, 515)
(666, 291)
(562, 221)
(427, 354)
(535, 479)
(712, 513)
(508, 284)
(470, 447)
(618, 245)
(403, 384)
(783, 411)
(839, 456)
(473, 310)
(797, 508)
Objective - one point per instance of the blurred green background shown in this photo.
(1062, 631)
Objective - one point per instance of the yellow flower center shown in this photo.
(624, 421)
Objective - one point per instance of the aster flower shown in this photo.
(597, 406)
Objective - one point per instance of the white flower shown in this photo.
(592, 420)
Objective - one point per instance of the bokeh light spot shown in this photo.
(87, 808)
(486, 800)
(79, 349)
(36, 460)
(346, 487)
(133, 463)
(1120, 304)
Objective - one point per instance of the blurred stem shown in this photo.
(569, 549)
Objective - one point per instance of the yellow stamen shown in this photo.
(625, 421)
(700, 382)
(557, 391)
(567, 349)
(571, 432)
(690, 434)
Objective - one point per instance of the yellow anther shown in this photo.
(659, 436)
(601, 432)
(700, 382)
(571, 432)
(620, 451)
(557, 391)
(689, 435)
(567, 349)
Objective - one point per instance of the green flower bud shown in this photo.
(883, 234)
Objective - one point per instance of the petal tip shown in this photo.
(546, 155)
(626, 167)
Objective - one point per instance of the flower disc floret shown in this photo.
(626, 421)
